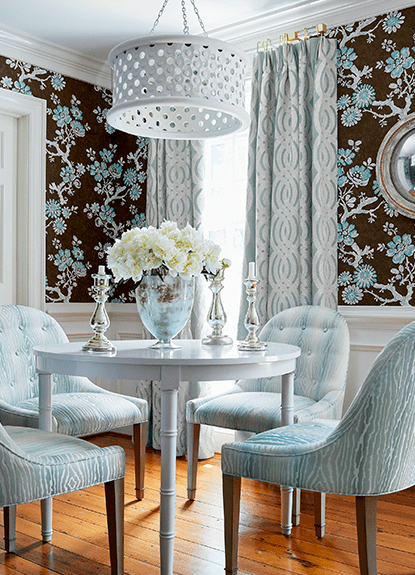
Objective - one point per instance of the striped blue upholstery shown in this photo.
(254, 405)
(37, 464)
(79, 407)
(370, 452)
(323, 337)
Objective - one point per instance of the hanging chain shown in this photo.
(198, 17)
(159, 16)
(185, 25)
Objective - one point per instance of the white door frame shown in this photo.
(31, 181)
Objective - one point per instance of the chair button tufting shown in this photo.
(11, 384)
(303, 327)
(16, 353)
(21, 327)
(325, 330)
(281, 327)
(309, 352)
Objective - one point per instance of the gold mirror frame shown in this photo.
(395, 167)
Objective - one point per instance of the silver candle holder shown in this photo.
(217, 316)
(251, 322)
(99, 320)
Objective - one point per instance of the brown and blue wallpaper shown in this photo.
(376, 89)
(95, 178)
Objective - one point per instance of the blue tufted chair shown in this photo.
(254, 405)
(38, 464)
(370, 452)
(79, 407)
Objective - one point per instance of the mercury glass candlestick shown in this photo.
(99, 320)
(251, 342)
(217, 316)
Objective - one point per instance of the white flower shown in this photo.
(184, 252)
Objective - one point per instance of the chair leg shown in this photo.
(139, 440)
(231, 506)
(193, 435)
(296, 512)
(9, 514)
(319, 513)
(114, 498)
(366, 507)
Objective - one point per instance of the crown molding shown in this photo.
(302, 13)
(19, 46)
(244, 34)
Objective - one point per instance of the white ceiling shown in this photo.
(93, 27)
(76, 36)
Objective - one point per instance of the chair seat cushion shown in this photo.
(46, 464)
(272, 455)
(39, 443)
(247, 411)
(79, 414)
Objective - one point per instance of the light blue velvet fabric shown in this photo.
(78, 406)
(254, 405)
(36, 464)
(371, 451)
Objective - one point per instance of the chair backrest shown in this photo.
(21, 329)
(373, 447)
(323, 336)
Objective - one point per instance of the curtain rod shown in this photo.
(304, 34)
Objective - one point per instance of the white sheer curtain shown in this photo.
(291, 227)
(175, 192)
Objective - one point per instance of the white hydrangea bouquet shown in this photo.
(167, 249)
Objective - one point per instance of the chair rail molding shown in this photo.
(371, 327)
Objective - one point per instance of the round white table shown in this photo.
(134, 360)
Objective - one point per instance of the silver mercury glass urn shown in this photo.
(217, 316)
(251, 342)
(99, 320)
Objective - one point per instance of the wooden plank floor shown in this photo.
(80, 535)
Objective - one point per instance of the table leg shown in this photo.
(287, 418)
(45, 423)
(168, 467)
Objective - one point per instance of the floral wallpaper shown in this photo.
(376, 89)
(95, 178)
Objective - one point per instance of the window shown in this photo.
(224, 217)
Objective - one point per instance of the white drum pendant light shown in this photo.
(178, 87)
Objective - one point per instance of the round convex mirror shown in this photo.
(395, 167)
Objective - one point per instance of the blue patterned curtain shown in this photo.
(175, 192)
(291, 228)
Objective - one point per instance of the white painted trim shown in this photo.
(246, 34)
(377, 317)
(366, 347)
(79, 312)
(49, 56)
(31, 114)
(243, 34)
(221, 436)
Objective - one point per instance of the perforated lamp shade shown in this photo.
(178, 87)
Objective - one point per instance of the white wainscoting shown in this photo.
(370, 328)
